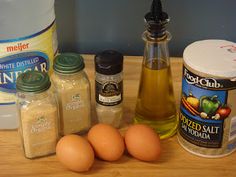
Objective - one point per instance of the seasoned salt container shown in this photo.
(73, 91)
(38, 114)
(208, 105)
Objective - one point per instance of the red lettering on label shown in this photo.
(17, 47)
(228, 46)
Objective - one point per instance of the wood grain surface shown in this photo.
(174, 161)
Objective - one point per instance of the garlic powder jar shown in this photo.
(38, 114)
(73, 92)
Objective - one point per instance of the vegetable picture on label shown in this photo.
(193, 101)
(224, 111)
(191, 104)
(207, 107)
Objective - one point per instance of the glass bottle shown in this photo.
(38, 114)
(72, 88)
(109, 87)
(156, 104)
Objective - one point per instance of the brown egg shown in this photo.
(75, 153)
(143, 143)
(107, 142)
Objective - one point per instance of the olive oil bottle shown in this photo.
(156, 104)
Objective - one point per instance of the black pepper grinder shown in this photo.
(156, 104)
(109, 87)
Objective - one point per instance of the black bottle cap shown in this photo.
(109, 62)
(156, 20)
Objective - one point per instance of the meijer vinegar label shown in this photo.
(34, 52)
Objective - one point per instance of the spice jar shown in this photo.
(109, 87)
(38, 113)
(73, 91)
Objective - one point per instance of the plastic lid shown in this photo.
(109, 62)
(68, 63)
(156, 20)
(213, 57)
(33, 81)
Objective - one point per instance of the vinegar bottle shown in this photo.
(28, 41)
(156, 104)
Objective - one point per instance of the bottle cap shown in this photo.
(156, 20)
(33, 81)
(68, 63)
(109, 62)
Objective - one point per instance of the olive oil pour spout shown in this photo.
(156, 19)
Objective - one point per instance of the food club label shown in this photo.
(203, 109)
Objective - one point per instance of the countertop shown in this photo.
(174, 161)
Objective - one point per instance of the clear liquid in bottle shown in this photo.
(156, 104)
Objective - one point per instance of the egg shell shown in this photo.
(143, 143)
(107, 142)
(75, 153)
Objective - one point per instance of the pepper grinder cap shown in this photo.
(109, 62)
